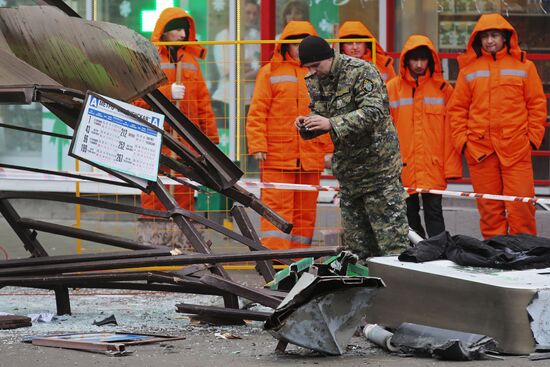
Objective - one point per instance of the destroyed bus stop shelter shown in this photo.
(41, 62)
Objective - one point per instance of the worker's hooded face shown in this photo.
(361, 50)
(175, 35)
(176, 30)
(419, 60)
(295, 30)
(418, 67)
(355, 49)
(293, 51)
(492, 40)
(490, 25)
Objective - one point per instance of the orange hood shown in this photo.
(356, 28)
(168, 15)
(486, 22)
(414, 41)
(293, 28)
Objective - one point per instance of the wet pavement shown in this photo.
(154, 312)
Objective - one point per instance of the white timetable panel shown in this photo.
(108, 137)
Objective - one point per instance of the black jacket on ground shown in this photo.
(518, 252)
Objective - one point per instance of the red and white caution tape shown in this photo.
(286, 186)
(12, 174)
(461, 194)
(474, 195)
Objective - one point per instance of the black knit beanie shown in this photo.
(314, 48)
(178, 23)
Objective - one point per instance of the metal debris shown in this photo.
(41, 62)
(226, 336)
(110, 320)
(322, 313)
(112, 344)
(426, 341)
(14, 321)
(379, 336)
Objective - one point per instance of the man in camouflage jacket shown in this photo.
(349, 100)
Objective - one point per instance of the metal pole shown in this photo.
(267, 28)
(232, 82)
(238, 80)
(390, 24)
(382, 23)
(90, 10)
(196, 258)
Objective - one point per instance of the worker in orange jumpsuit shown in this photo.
(363, 50)
(497, 115)
(280, 95)
(417, 105)
(187, 89)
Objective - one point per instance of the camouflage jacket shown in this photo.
(354, 98)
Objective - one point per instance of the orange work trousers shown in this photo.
(297, 207)
(182, 194)
(504, 217)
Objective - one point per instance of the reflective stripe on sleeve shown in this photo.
(172, 66)
(283, 79)
(478, 74)
(434, 101)
(401, 102)
(514, 72)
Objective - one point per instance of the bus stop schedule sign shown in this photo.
(110, 138)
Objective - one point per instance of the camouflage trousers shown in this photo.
(161, 233)
(375, 223)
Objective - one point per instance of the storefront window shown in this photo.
(414, 17)
(327, 15)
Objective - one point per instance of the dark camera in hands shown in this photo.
(307, 134)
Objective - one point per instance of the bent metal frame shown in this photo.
(28, 75)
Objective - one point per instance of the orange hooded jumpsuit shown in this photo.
(497, 115)
(196, 100)
(429, 158)
(384, 63)
(280, 95)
